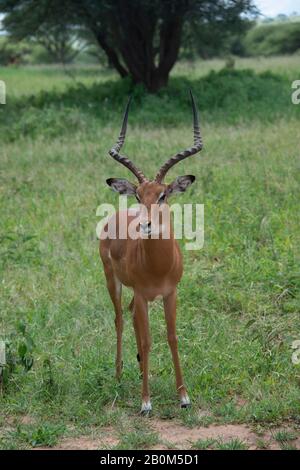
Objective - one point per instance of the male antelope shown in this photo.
(151, 266)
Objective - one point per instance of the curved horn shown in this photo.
(114, 151)
(198, 145)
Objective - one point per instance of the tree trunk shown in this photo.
(112, 56)
(135, 29)
(158, 81)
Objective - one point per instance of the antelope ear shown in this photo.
(122, 186)
(181, 184)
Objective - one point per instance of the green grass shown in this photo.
(32, 79)
(232, 444)
(286, 65)
(204, 444)
(287, 446)
(238, 309)
(95, 99)
(285, 436)
(219, 444)
(140, 436)
(31, 436)
(37, 436)
(262, 444)
(29, 80)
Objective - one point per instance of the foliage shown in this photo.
(20, 347)
(45, 434)
(204, 444)
(281, 17)
(285, 436)
(242, 95)
(212, 39)
(140, 437)
(233, 444)
(140, 38)
(271, 39)
(19, 351)
(56, 34)
(13, 53)
(23, 52)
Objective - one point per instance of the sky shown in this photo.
(273, 7)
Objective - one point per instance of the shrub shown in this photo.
(272, 39)
(233, 95)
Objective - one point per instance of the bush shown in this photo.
(22, 52)
(273, 39)
(231, 95)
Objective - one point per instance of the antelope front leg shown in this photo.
(141, 322)
(137, 336)
(115, 290)
(170, 314)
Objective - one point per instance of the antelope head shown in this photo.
(153, 194)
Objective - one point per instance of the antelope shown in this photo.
(151, 266)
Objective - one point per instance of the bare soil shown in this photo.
(84, 443)
(173, 435)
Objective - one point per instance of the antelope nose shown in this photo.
(145, 226)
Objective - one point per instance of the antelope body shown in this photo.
(150, 265)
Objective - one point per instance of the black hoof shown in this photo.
(185, 406)
(185, 402)
(138, 357)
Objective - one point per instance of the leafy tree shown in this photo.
(141, 38)
(274, 38)
(49, 24)
(211, 39)
(13, 54)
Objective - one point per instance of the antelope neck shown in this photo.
(158, 254)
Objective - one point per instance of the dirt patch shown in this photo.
(105, 440)
(81, 443)
(173, 435)
(183, 437)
